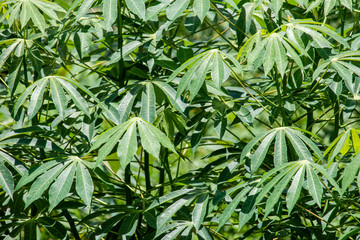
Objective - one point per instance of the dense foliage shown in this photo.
(179, 119)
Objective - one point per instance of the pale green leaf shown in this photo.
(350, 172)
(160, 137)
(127, 102)
(137, 7)
(171, 95)
(298, 145)
(280, 150)
(6, 180)
(218, 74)
(278, 190)
(34, 172)
(171, 210)
(276, 5)
(314, 184)
(148, 139)
(294, 190)
(84, 8)
(110, 13)
(176, 9)
(58, 96)
(36, 99)
(269, 59)
(36, 16)
(258, 157)
(328, 6)
(201, 7)
(79, 101)
(126, 50)
(127, 146)
(230, 209)
(199, 212)
(42, 183)
(148, 100)
(7, 52)
(61, 187)
(84, 185)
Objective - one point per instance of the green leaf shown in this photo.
(171, 210)
(294, 190)
(199, 212)
(278, 190)
(127, 103)
(148, 139)
(218, 74)
(276, 6)
(328, 6)
(84, 185)
(170, 196)
(7, 52)
(298, 145)
(176, 9)
(261, 152)
(148, 100)
(34, 172)
(21, 100)
(280, 154)
(201, 7)
(35, 16)
(127, 146)
(126, 50)
(84, 8)
(6, 180)
(230, 209)
(58, 96)
(160, 137)
(198, 78)
(137, 7)
(347, 3)
(171, 95)
(36, 99)
(280, 56)
(314, 184)
(33, 142)
(269, 59)
(79, 101)
(326, 174)
(110, 13)
(129, 226)
(61, 187)
(42, 183)
(350, 172)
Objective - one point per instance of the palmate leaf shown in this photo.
(299, 142)
(58, 86)
(149, 97)
(274, 183)
(31, 10)
(60, 175)
(125, 133)
(197, 68)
